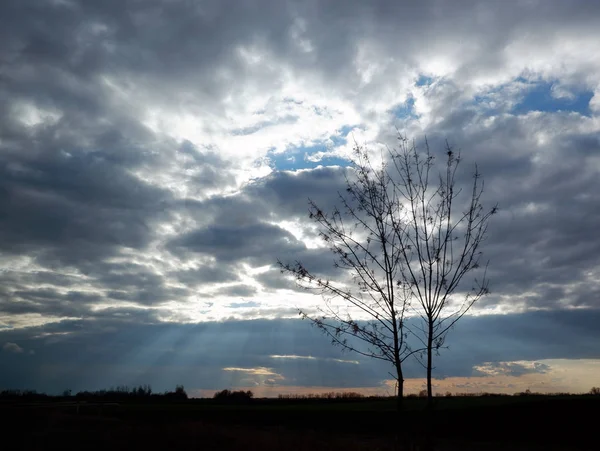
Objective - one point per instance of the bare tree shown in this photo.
(440, 237)
(406, 251)
(370, 319)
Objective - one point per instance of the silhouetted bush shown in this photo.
(595, 391)
(179, 393)
(526, 393)
(233, 396)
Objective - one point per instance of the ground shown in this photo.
(487, 423)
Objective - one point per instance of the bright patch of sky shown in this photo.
(405, 110)
(300, 158)
(548, 97)
(424, 80)
(309, 157)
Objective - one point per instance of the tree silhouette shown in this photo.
(370, 320)
(406, 250)
(440, 238)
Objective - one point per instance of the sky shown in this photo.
(156, 159)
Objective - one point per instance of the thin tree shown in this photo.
(406, 251)
(365, 311)
(440, 237)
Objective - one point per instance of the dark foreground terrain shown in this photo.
(507, 423)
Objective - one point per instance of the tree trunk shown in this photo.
(401, 433)
(400, 395)
(427, 444)
(429, 364)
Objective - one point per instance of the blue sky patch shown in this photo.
(405, 110)
(342, 137)
(424, 80)
(297, 158)
(346, 129)
(539, 98)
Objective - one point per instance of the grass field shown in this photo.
(457, 423)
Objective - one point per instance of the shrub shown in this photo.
(179, 393)
(233, 396)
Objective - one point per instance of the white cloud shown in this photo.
(308, 357)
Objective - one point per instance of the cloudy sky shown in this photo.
(156, 158)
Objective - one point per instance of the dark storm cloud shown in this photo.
(74, 44)
(209, 169)
(529, 336)
(287, 192)
(206, 274)
(53, 294)
(70, 198)
(235, 235)
(45, 293)
(273, 279)
(193, 34)
(239, 290)
(196, 46)
(232, 231)
(148, 297)
(66, 224)
(257, 244)
(72, 207)
(276, 197)
(69, 205)
(48, 301)
(228, 243)
(135, 283)
(112, 351)
(542, 245)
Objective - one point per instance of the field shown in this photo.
(457, 423)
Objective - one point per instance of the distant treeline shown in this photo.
(423, 394)
(328, 395)
(113, 394)
(144, 392)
